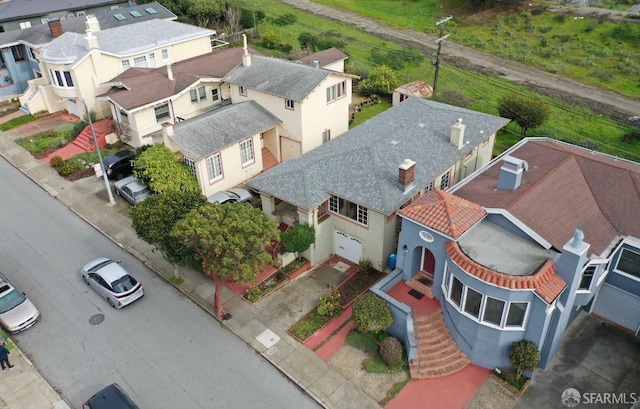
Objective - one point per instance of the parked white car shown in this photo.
(236, 195)
(17, 313)
(132, 190)
(109, 279)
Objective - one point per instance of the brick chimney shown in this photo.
(406, 174)
(457, 134)
(55, 26)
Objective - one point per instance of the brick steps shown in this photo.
(85, 139)
(437, 355)
(419, 283)
(268, 160)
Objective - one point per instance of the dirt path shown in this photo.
(603, 101)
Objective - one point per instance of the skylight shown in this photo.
(151, 11)
(135, 13)
(119, 17)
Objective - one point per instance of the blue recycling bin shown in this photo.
(392, 261)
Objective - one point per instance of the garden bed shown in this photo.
(355, 285)
(256, 292)
(509, 381)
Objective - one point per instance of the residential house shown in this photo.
(331, 59)
(351, 188)
(415, 89)
(22, 14)
(222, 147)
(75, 65)
(18, 57)
(515, 251)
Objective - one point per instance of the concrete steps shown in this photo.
(437, 355)
(422, 282)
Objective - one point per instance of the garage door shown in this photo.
(618, 306)
(348, 246)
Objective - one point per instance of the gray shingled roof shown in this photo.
(279, 77)
(362, 164)
(210, 132)
(14, 9)
(324, 57)
(41, 34)
(126, 40)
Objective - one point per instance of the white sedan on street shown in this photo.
(109, 279)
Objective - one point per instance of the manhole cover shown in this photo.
(96, 319)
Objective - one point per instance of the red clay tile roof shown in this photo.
(215, 64)
(444, 212)
(545, 282)
(324, 57)
(566, 186)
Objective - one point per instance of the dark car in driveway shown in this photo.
(119, 164)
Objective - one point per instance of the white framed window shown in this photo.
(32, 54)
(350, 210)
(62, 79)
(242, 90)
(468, 156)
(25, 24)
(80, 13)
(191, 164)
(161, 111)
(456, 291)
(446, 179)
(428, 188)
(336, 91)
(71, 16)
(326, 136)
(140, 61)
(214, 167)
(125, 65)
(202, 92)
(493, 311)
(472, 302)
(215, 94)
(629, 264)
(516, 314)
(289, 104)
(246, 152)
(194, 96)
(165, 54)
(587, 277)
(44, 20)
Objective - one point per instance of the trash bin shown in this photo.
(392, 261)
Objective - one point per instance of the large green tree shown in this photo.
(206, 11)
(154, 218)
(528, 113)
(230, 240)
(381, 81)
(163, 170)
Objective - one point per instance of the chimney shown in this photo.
(316, 63)
(246, 57)
(55, 26)
(457, 134)
(511, 173)
(90, 41)
(406, 174)
(169, 72)
(92, 24)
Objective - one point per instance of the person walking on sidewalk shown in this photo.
(4, 357)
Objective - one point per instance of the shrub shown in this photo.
(270, 40)
(298, 239)
(364, 266)
(252, 293)
(453, 96)
(391, 351)
(371, 313)
(285, 19)
(66, 168)
(631, 135)
(560, 18)
(56, 162)
(329, 305)
(524, 355)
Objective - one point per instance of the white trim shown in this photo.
(622, 273)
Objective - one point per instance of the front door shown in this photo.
(428, 261)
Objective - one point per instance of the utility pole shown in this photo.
(439, 41)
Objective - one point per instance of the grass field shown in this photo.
(567, 122)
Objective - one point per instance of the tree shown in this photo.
(154, 218)
(206, 11)
(371, 313)
(528, 113)
(232, 16)
(453, 96)
(298, 239)
(381, 81)
(230, 240)
(524, 355)
(161, 169)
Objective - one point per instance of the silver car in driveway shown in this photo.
(132, 190)
(112, 282)
(236, 195)
(17, 313)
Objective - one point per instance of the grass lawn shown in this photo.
(15, 122)
(568, 121)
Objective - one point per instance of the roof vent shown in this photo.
(511, 173)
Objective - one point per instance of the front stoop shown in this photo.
(418, 283)
(437, 355)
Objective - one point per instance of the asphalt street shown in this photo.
(164, 350)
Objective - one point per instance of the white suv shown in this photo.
(17, 313)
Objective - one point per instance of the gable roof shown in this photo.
(138, 93)
(324, 57)
(279, 77)
(14, 9)
(444, 212)
(123, 41)
(41, 33)
(362, 164)
(418, 89)
(566, 186)
(208, 133)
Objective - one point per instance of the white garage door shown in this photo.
(618, 306)
(348, 246)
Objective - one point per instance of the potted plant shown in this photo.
(524, 356)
